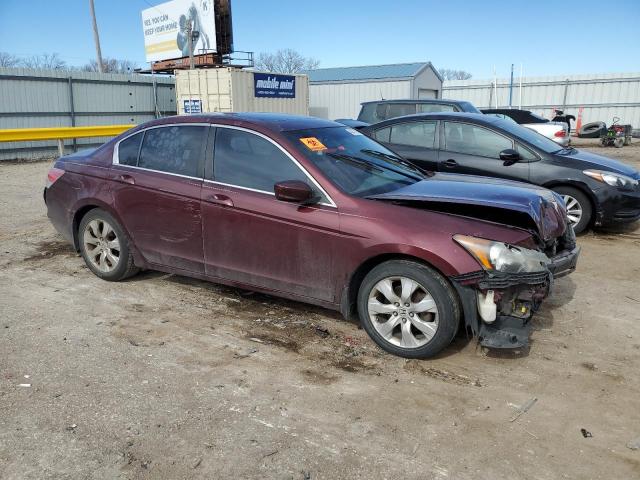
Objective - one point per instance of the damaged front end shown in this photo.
(499, 300)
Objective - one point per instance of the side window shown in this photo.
(434, 107)
(128, 150)
(247, 160)
(400, 109)
(173, 149)
(526, 154)
(474, 140)
(383, 134)
(417, 134)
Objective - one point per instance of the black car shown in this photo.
(597, 190)
(380, 110)
(519, 116)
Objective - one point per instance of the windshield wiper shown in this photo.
(395, 159)
(356, 161)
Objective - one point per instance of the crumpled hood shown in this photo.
(545, 207)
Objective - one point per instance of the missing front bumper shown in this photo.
(524, 293)
(505, 332)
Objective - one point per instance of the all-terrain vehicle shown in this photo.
(616, 135)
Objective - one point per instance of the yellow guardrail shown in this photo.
(61, 133)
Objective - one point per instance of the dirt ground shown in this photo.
(166, 377)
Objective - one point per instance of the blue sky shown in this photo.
(548, 37)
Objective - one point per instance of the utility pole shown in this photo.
(96, 37)
(511, 88)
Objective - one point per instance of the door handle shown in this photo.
(219, 199)
(126, 179)
(450, 163)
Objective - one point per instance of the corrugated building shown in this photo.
(599, 97)
(338, 92)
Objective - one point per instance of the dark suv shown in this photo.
(374, 112)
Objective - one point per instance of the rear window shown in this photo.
(128, 150)
(174, 149)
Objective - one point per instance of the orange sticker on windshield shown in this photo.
(313, 144)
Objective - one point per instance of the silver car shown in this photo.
(556, 131)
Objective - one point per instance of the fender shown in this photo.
(84, 205)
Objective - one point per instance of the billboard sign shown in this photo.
(165, 29)
(272, 85)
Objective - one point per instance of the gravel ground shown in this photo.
(166, 377)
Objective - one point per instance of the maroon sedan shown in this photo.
(314, 211)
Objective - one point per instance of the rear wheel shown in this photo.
(408, 309)
(578, 206)
(105, 247)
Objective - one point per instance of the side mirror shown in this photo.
(294, 191)
(510, 156)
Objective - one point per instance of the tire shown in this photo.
(584, 204)
(421, 330)
(592, 130)
(112, 260)
(627, 140)
(603, 141)
(618, 142)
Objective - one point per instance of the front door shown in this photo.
(253, 239)
(475, 150)
(157, 183)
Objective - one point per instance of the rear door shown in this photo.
(252, 238)
(156, 190)
(475, 150)
(415, 141)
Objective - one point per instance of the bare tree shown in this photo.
(45, 60)
(451, 74)
(285, 61)
(8, 60)
(111, 65)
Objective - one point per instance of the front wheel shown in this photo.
(578, 207)
(105, 247)
(408, 309)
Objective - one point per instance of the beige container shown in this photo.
(232, 90)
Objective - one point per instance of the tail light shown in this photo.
(53, 176)
(560, 134)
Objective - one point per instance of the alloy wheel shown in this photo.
(574, 209)
(101, 245)
(403, 312)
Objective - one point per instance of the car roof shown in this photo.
(275, 122)
(504, 110)
(472, 117)
(424, 100)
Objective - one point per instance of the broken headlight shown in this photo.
(613, 179)
(502, 257)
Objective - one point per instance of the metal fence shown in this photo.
(595, 96)
(56, 98)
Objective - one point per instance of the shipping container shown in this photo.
(237, 90)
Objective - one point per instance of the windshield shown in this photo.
(530, 136)
(354, 162)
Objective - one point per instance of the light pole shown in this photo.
(96, 37)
